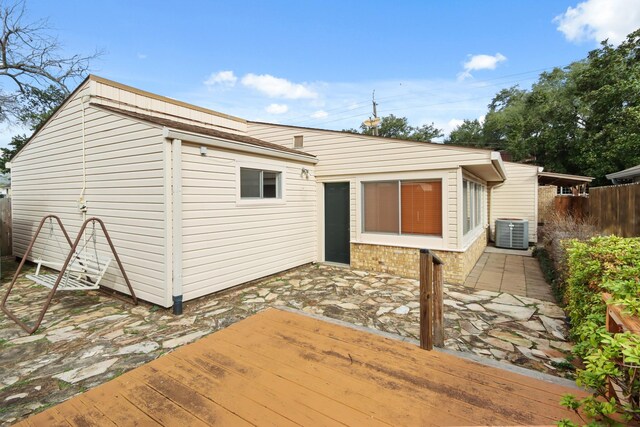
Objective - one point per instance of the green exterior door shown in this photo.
(336, 222)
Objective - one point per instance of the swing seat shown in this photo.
(84, 273)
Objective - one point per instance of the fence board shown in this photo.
(615, 209)
(5, 227)
(576, 206)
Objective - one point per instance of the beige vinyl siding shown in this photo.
(158, 106)
(125, 188)
(226, 243)
(517, 197)
(452, 219)
(345, 154)
(342, 153)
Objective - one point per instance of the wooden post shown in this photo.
(426, 299)
(438, 307)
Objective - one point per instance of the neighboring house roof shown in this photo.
(202, 130)
(562, 179)
(630, 173)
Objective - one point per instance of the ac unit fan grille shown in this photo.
(512, 233)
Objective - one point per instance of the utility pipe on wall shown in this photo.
(176, 184)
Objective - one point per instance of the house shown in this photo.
(197, 201)
(516, 197)
(5, 186)
(626, 176)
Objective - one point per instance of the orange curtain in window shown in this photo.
(422, 208)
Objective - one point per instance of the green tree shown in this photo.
(469, 132)
(504, 122)
(426, 133)
(610, 86)
(399, 128)
(582, 119)
(390, 127)
(36, 106)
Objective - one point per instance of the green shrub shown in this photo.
(558, 229)
(548, 269)
(604, 264)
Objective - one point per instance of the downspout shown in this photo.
(82, 203)
(176, 178)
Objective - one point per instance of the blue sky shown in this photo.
(316, 63)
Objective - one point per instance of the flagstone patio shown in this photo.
(88, 338)
(511, 271)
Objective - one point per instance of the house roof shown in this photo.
(162, 98)
(201, 130)
(386, 138)
(562, 179)
(630, 173)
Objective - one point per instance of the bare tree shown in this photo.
(30, 57)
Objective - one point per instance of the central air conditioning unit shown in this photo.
(512, 233)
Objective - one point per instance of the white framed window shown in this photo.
(564, 191)
(260, 184)
(473, 205)
(402, 207)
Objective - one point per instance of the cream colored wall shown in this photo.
(227, 241)
(125, 188)
(119, 96)
(351, 157)
(342, 153)
(517, 197)
(479, 231)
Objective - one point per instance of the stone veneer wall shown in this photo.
(546, 196)
(405, 262)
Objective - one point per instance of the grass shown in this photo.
(117, 373)
(17, 384)
(63, 385)
(565, 365)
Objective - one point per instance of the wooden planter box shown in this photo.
(618, 322)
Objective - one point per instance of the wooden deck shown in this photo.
(279, 368)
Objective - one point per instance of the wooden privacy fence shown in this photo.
(615, 209)
(431, 300)
(5, 227)
(576, 206)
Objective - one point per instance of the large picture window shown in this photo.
(473, 205)
(260, 184)
(403, 207)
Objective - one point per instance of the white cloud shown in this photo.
(320, 114)
(224, 78)
(452, 124)
(600, 19)
(481, 62)
(277, 108)
(142, 56)
(276, 87)
(348, 103)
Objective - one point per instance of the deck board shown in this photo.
(280, 368)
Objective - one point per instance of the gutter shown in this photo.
(235, 145)
(498, 164)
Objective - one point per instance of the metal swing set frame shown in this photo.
(80, 271)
